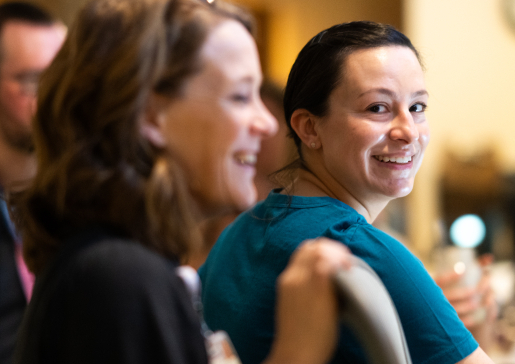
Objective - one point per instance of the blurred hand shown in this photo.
(476, 306)
(467, 301)
(307, 307)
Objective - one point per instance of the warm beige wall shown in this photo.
(469, 53)
(293, 22)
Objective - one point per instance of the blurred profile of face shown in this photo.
(26, 51)
(275, 152)
(215, 126)
(375, 132)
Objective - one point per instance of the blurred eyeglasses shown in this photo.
(27, 81)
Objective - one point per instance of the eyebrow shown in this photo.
(421, 93)
(390, 93)
(244, 79)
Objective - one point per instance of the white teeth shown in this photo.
(400, 160)
(246, 159)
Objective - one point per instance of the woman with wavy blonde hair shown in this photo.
(148, 122)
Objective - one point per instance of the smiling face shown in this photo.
(215, 126)
(375, 132)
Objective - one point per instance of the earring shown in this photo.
(313, 145)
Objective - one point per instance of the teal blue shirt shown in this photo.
(239, 277)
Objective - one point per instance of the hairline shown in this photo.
(343, 56)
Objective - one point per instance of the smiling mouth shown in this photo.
(246, 159)
(398, 160)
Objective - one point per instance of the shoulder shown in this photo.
(365, 239)
(111, 288)
(112, 255)
(281, 223)
(120, 267)
(301, 217)
(110, 270)
(401, 272)
(120, 282)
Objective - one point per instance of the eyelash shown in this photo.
(423, 106)
(375, 107)
(241, 98)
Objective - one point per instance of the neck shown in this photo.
(16, 167)
(318, 182)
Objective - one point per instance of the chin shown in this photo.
(402, 187)
(399, 191)
(245, 200)
(403, 192)
(233, 203)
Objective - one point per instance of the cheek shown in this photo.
(187, 143)
(20, 108)
(228, 142)
(220, 137)
(212, 154)
(424, 136)
(361, 142)
(423, 141)
(9, 99)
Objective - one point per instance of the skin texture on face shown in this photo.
(215, 126)
(370, 144)
(26, 51)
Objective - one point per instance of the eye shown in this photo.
(377, 108)
(241, 98)
(418, 107)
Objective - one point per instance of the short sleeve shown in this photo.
(433, 330)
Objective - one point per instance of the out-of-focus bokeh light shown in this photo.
(460, 267)
(468, 231)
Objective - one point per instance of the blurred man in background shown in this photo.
(29, 40)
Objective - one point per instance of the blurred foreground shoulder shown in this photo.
(108, 299)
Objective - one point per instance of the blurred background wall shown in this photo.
(469, 51)
(468, 47)
(289, 24)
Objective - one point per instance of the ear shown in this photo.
(153, 122)
(304, 125)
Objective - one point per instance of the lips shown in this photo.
(398, 160)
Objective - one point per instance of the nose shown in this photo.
(404, 128)
(264, 123)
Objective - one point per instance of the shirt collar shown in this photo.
(4, 218)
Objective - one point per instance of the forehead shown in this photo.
(230, 49)
(389, 65)
(34, 44)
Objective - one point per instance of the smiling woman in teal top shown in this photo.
(355, 104)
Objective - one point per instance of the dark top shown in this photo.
(12, 298)
(107, 299)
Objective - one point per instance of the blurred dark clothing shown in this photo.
(12, 297)
(108, 299)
